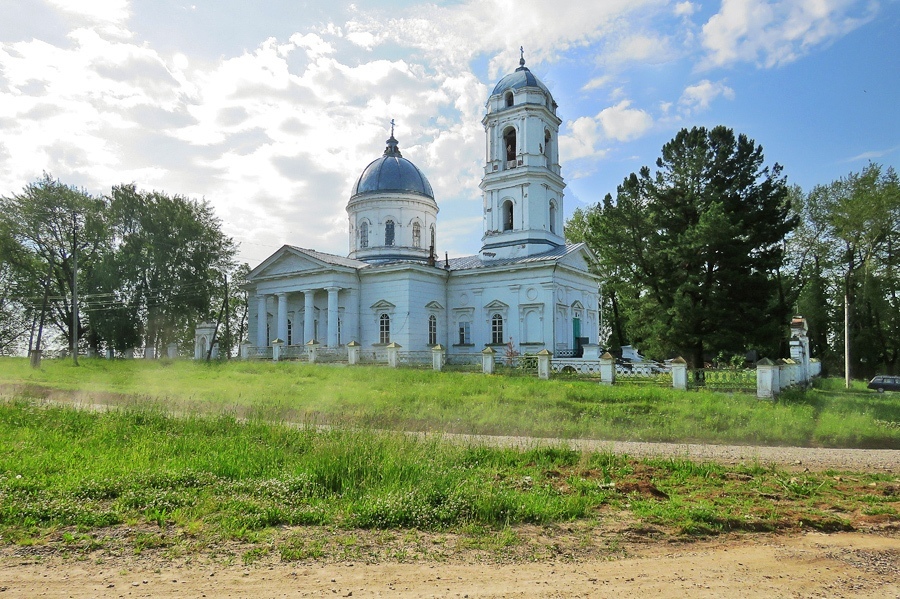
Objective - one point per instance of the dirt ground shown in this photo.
(799, 565)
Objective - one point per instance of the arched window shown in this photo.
(509, 99)
(547, 140)
(389, 233)
(432, 330)
(509, 142)
(417, 235)
(552, 216)
(433, 245)
(364, 235)
(496, 329)
(507, 212)
(384, 328)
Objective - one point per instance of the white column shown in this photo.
(333, 316)
(309, 315)
(281, 298)
(261, 320)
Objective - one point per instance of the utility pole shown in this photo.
(227, 322)
(75, 288)
(847, 339)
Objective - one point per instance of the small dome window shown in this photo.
(417, 235)
(389, 233)
(508, 99)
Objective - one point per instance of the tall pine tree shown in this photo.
(691, 251)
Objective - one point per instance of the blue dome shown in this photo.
(519, 78)
(392, 172)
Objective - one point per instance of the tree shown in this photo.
(851, 227)
(691, 253)
(164, 270)
(44, 226)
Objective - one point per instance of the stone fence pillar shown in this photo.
(438, 354)
(607, 369)
(172, 351)
(393, 354)
(277, 345)
(487, 360)
(765, 374)
(543, 359)
(245, 350)
(353, 353)
(679, 374)
(312, 350)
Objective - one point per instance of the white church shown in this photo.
(526, 285)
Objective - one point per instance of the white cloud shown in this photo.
(685, 9)
(622, 123)
(107, 16)
(615, 123)
(696, 98)
(773, 33)
(641, 47)
(597, 83)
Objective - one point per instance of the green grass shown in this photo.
(421, 400)
(190, 481)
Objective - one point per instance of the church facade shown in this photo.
(525, 286)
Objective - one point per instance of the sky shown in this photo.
(271, 110)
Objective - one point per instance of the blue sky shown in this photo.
(270, 110)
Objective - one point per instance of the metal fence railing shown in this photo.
(722, 379)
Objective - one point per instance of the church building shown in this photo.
(525, 286)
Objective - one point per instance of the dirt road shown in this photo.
(808, 565)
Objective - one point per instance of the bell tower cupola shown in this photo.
(522, 186)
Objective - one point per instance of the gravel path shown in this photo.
(794, 458)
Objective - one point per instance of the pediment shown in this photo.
(496, 305)
(291, 264)
(433, 305)
(581, 259)
(382, 305)
(288, 261)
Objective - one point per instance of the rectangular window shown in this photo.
(465, 337)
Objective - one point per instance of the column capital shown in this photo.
(332, 288)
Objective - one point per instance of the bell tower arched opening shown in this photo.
(507, 211)
(509, 142)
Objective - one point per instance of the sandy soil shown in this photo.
(806, 565)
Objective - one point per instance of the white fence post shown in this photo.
(353, 353)
(437, 357)
(312, 350)
(487, 360)
(765, 373)
(277, 344)
(607, 369)
(543, 358)
(679, 374)
(393, 354)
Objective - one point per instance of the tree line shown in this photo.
(709, 255)
(145, 267)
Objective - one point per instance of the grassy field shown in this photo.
(422, 400)
(134, 479)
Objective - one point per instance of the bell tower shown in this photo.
(522, 186)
